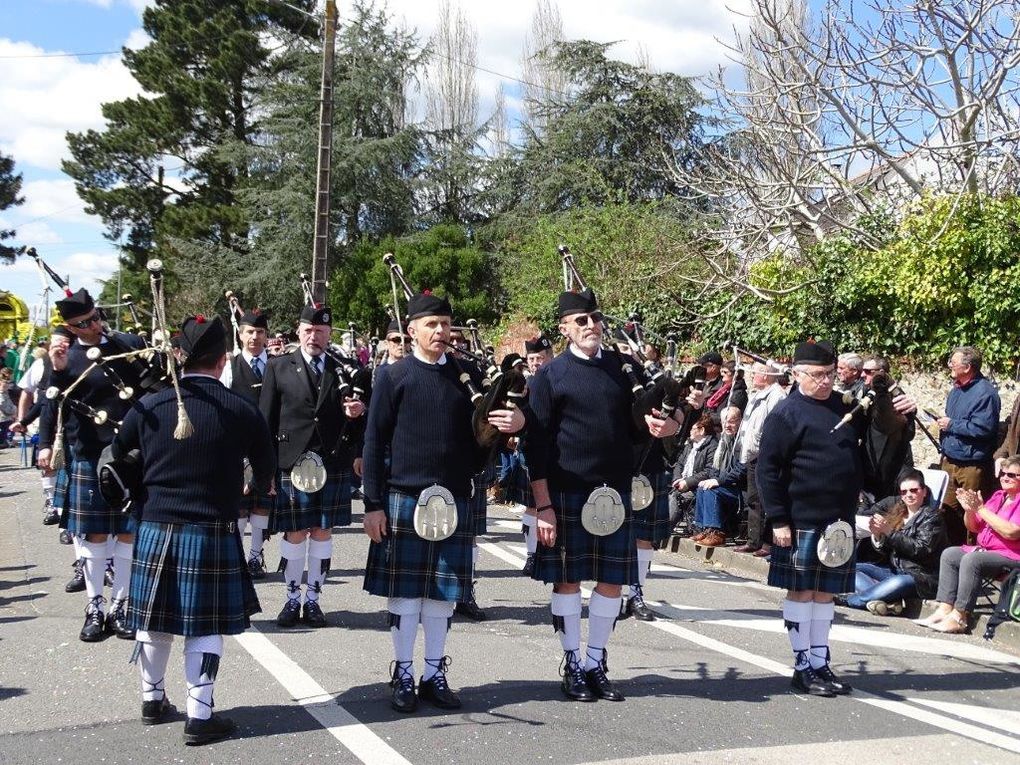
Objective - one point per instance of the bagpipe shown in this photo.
(501, 389)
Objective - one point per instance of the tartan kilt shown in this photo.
(190, 579)
(255, 501)
(404, 565)
(61, 486)
(652, 523)
(582, 557)
(479, 501)
(518, 486)
(86, 510)
(797, 567)
(296, 510)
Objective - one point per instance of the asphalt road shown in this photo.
(707, 682)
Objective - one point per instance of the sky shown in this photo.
(43, 95)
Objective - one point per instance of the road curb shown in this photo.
(741, 564)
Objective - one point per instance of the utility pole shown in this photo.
(320, 247)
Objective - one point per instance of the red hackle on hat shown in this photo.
(199, 318)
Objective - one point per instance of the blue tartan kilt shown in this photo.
(60, 488)
(86, 510)
(582, 557)
(296, 510)
(256, 501)
(797, 567)
(190, 579)
(404, 565)
(479, 501)
(518, 486)
(652, 523)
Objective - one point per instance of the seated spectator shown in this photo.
(719, 494)
(693, 463)
(997, 526)
(913, 535)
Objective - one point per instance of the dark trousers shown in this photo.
(755, 514)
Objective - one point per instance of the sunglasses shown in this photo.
(582, 319)
(86, 323)
(398, 339)
(869, 371)
(1005, 474)
(911, 490)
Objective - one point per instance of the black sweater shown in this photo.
(421, 418)
(808, 477)
(583, 431)
(197, 479)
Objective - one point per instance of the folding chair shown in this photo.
(937, 482)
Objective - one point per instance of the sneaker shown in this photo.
(198, 732)
(94, 628)
(470, 608)
(881, 608)
(257, 566)
(290, 614)
(77, 582)
(436, 690)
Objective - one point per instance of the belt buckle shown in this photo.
(231, 527)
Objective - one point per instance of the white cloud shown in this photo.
(84, 268)
(54, 199)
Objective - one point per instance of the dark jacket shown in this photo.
(701, 463)
(916, 548)
(973, 432)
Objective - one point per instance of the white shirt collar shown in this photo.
(582, 355)
(263, 357)
(442, 359)
(308, 359)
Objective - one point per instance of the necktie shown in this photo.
(256, 367)
(317, 368)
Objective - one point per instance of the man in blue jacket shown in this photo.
(970, 433)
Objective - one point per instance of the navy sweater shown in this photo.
(973, 431)
(197, 479)
(808, 477)
(582, 431)
(421, 418)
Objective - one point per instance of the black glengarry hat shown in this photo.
(78, 304)
(427, 304)
(201, 336)
(577, 302)
(510, 361)
(537, 344)
(711, 357)
(254, 319)
(396, 327)
(317, 315)
(811, 353)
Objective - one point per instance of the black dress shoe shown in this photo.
(108, 575)
(469, 608)
(116, 621)
(154, 712)
(436, 690)
(257, 567)
(839, 687)
(76, 582)
(637, 606)
(313, 615)
(575, 684)
(50, 515)
(807, 681)
(198, 732)
(599, 684)
(65, 537)
(290, 614)
(95, 623)
(403, 698)
(529, 566)
(625, 610)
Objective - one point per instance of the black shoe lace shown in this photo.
(94, 608)
(571, 667)
(312, 607)
(439, 678)
(400, 671)
(638, 597)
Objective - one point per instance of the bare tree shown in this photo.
(851, 113)
(499, 125)
(541, 80)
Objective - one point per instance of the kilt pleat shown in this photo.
(797, 567)
(404, 565)
(86, 510)
(255, 501)
(652, 523)
(190, 580)
(579, 556)
(296, 510)
(518, 488)
(480, 498)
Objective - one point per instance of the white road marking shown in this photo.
(1003, 719)
(302, 687)
(967, 730)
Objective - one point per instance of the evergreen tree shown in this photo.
(10, 188)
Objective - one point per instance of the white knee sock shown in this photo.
(821, 620)
(77, 542)
(294, 554)
(531, 536)
(123, 554)
(319, 552)
(566, 611)
(602, 613)
(435, 623)
(201, 663)
(405, 613)
(259, 525)
(474, 560)
(242, 524)
(94, 560)
(153, 655)
(644, 562)
(49, 484)
(797, 620)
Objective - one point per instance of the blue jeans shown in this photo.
(710, 504)
(880, 583)
(508, 462)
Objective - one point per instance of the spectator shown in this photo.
(712, 364)
(718, 495)
(8, 409)
(693, 464)
(970, 433)
(913, 535)
(997, 526)
(732, 392)
(886, 449)
(1011, 443)
(849, 374)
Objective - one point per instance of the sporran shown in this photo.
(309, 473)
(435, 514)
(836, 545)
(603, 514)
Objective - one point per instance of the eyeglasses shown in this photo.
(86, 323)
(398, 339)
(821, 375)
(1005, 474)
(869, 371)
(911, 490)
(582, 320)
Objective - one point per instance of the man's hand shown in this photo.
(781, 536)
(507, 420)
(58, 356)
(353, 408)
(904, 404)
(43, 459)
(17, 427)
(374, 522)
(680, 484)
(546, 525)
(661, 427)
(943, 423)
(696, 399)
(358, 466)
(272, 488)
(708, 483)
